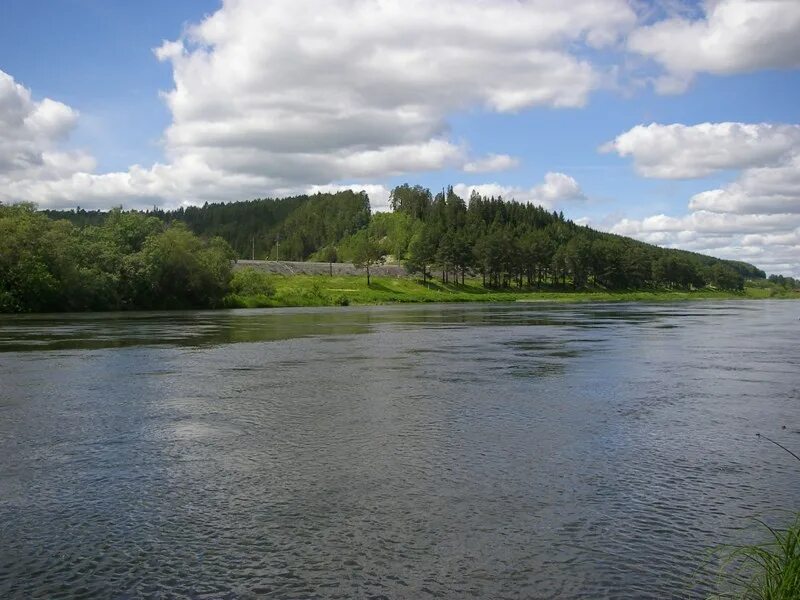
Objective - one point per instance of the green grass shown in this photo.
(768, 289)
(322, 290)
(768, 571)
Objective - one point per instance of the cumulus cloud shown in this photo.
(755, 218)
(767, 156)
(306, 92)
(680, 151)
(704, 222)
(30, 133)
(731, 36)
(556, 190)
(288, 94)
(491, 163)
(138, 187)
(768, 190)
(284, 97)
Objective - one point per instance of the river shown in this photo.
(440, 451)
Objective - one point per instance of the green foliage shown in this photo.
(767, 571)
(507, 243)
(130, 261)
(329, 254)
(343, 290)
(725, 277)
(787, 283)
(110, 259)
(421, 252)
(250, 289)
(395, 231)
(366, 253)
(26, 282)
(413, 201)
(677, 271)
(181, 271)
(322, 220)
(300, 225)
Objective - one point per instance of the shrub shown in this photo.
(249, 282)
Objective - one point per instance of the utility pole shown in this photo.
(254, 247)
(277, 248)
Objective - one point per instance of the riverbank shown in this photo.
(318, 290)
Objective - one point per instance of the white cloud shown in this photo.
(556, 190)
(30, 132)
(378, 194)
(491, 163)
(767, 155)
(755, 218)
(288, 94)
(282, 97)
(688, 151)
(732, 36)
(766, 190)
(309, 92)
(704, 222)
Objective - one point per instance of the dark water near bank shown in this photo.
(525, 451)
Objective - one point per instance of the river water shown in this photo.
(441, 451)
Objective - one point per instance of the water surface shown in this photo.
(489, 451)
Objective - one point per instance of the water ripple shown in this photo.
(414, 452)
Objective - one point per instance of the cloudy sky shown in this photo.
(676, 122)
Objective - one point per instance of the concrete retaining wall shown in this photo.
(318, 268)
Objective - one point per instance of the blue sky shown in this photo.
(97, 56)
(284, 97)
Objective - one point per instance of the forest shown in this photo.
(129, 261)
(95, 260)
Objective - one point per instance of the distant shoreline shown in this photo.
(341, 290)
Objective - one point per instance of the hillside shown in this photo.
(296, 226)
(504, 242)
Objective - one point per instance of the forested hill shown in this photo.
(504, 242)
(297, 226)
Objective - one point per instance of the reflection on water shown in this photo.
(574, 451)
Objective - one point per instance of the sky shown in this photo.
(675, 122)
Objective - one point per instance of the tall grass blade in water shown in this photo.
(768, 571)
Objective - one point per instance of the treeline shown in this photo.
(790, 283)
(509, 243)
(128, 260)
(504, 242)
(92, 260)
(286, 229)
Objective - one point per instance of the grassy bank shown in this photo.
(766, 571)
(315, 290)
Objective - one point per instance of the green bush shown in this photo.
(249, 282)
(131, 261)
